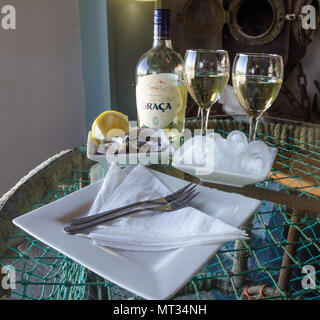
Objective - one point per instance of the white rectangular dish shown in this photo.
(151, 275)
(126, 159)
(233, 179)
(231, 161)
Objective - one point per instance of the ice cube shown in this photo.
(237, 142)
(222, 162)
(219, 144)
(258, 147)
(223, 156)
(196, 151)
(254, 164)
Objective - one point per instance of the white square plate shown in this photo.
(151, 275)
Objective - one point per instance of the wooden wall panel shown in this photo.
(182, 40)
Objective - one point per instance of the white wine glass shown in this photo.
(206, 73)
(257, 80)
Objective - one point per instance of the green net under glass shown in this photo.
(43, 273)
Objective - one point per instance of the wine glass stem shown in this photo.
(253, 128)
(199, 112)
(204, 120)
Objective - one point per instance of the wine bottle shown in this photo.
(160, 90)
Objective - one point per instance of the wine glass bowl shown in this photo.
(257, 80)
(206, 73)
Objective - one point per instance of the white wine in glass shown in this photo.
(207, 89)
(257, 80)
(206, 73)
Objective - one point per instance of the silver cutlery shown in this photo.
(164, 200)
(168, 207)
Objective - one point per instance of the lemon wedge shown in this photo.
(109, 124)
(93, 139)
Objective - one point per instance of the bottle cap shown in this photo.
(162, 22)
(162, 12)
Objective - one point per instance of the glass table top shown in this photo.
(292, 190)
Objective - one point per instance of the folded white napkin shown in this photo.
(152, 231)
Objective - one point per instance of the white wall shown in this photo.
(130, 26)
(41, 88)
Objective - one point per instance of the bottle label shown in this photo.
(159, 98)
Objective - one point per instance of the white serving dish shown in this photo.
(127, 159)
(232, 179)
(151, 275)
(233, 167)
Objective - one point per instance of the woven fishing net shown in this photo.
(43, 273)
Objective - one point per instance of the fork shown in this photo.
(164, 200)
(168, 207)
